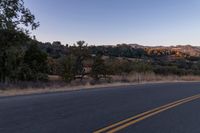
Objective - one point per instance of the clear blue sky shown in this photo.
(105, 22)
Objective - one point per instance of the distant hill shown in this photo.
(179, 49)
(187, 49)
(127, 58)
(57, 50)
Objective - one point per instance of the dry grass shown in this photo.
(54, 78)
(149, 77)
(122, 80)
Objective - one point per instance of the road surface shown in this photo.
(150, 108)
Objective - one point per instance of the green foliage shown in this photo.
(13, 14)
(121, 50)
(80, 51)
(169, 70)
(54, 66)
(124, 66)
(15, 21)
(98, 68)
(35, 64)
(72, 65)
(11, 53)
(8, 64)
(142, 67)
(67, 68)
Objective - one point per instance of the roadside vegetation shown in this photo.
(26, 62)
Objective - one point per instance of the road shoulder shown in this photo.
(21, 92)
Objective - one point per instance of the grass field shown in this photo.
(56, 84)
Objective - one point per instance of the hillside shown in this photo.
(57, 50)
(179, 49)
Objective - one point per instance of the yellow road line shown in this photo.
(147, 113)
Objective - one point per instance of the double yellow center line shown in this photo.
(132, 120)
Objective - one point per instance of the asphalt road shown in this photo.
(88, 111)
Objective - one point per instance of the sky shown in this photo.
(109, 22)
